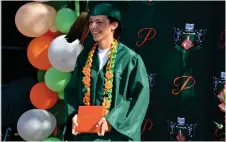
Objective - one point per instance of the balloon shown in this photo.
(61, 95)
(41, 97)
(52, 16)
(36, 125)
(63, 55)
(32, 19)
(52, 139)
(41, 75)
(53, 28)
(37, 52)
(64, 19)
(56, 80)
(52, 34)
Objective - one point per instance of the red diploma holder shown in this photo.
(88, 117)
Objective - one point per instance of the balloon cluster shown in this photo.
(54, 57)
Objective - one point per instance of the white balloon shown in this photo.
(63, 55)
(36, 125)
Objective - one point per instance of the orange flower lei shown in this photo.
(108, 85)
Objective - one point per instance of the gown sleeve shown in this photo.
(70, 91)
(127, 117)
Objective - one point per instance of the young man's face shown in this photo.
(100, 27)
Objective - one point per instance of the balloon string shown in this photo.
(77, 7)
(87, 6)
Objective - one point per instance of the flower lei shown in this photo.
(107, 95)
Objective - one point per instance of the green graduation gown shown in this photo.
(130, 96)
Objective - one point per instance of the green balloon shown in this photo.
(41, 75)
(64, 19)
(61, 95)
(56, 80)
(52, 139)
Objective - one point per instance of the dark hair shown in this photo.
(118, 30)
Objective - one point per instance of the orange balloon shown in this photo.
(37, 52)
(53, 34)
(42, 97)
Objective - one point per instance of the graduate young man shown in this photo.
(109, 75)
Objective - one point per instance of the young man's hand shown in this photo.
(105, 126)
(74, 125)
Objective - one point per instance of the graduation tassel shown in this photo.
(86, 29)
(79, 29)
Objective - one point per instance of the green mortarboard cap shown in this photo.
(106, 9)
